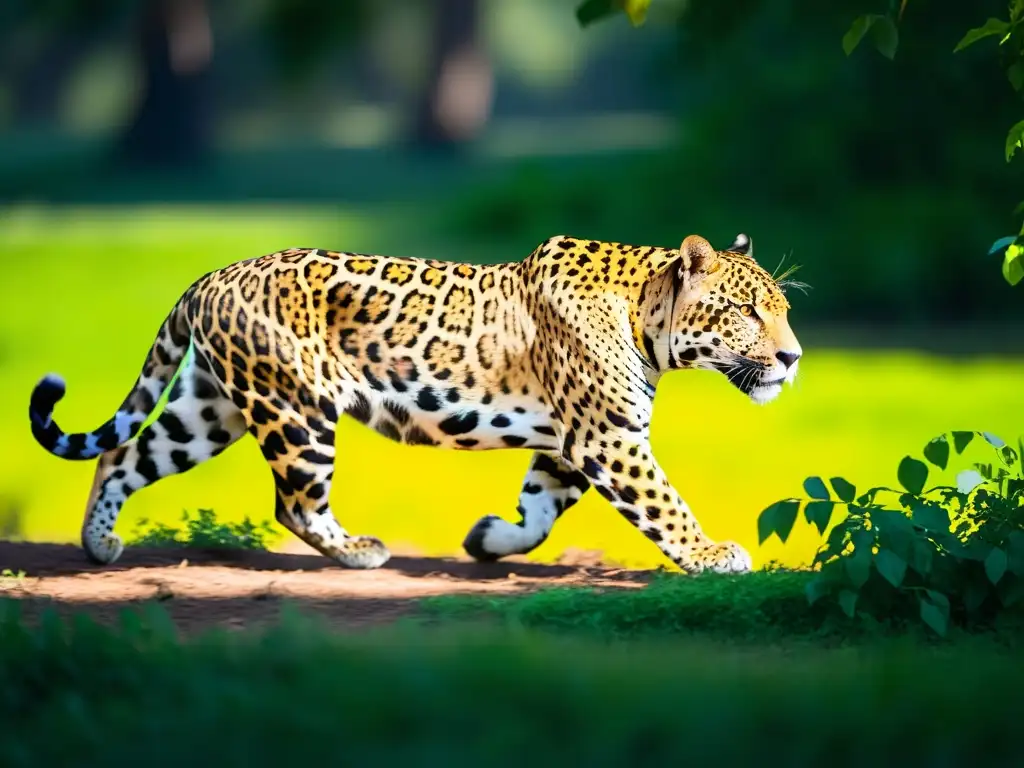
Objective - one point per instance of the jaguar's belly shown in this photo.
(427, 416)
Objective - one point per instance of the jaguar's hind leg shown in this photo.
(300, 451)
(551, 487)
(197, 424)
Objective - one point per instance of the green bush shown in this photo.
(957, 552)
(204, 531)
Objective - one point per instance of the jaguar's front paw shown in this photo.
(363, 552)
(724, 557)
(102, 548)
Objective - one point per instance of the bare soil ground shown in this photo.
(237, 589)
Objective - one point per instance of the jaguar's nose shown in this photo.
(788, 359)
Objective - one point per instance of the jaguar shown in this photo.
(559, 354)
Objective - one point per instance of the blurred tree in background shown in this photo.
(174, 46)
(886, 178)
(454, 105)
(171, 123)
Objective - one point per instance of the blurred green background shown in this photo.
(144, 143)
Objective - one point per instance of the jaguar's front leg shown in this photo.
(623, 470)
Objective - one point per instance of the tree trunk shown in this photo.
(456, 103)
(171, 126)
(38, 90)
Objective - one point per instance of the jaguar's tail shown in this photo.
(162, 362)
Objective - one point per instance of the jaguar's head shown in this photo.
(721, 310)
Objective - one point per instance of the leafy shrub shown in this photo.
(958, 551)
(204, 530)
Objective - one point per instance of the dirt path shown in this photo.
(201, 588)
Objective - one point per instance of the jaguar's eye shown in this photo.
(746, 310)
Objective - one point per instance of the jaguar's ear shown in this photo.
(697, 260)
(697, 256)
(742, 245)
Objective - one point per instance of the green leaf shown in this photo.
(868, 497)
(931, 517)
(922, 557)
(937, 452)
(844, 490)
(988, 29)
(935, 611)
(912, 474)
(817, 588)
(848, 602)
(595, 10)
(1008, 455)
(1015, 552)
(1004, 242)
(895, 532)
(961, 440)
(892, 567)
(778, 519)
(1013, 264)
(1015, 74)
(1014, 488)
(993, 440)
(815, 488)
(1011, 592)
(819, 513)
(885, 36)
(995, 565)
(858, 563)
(857, 31)
(968, 480)
(1013, 139)
(863, 540)
(975, 595)
(838, 537)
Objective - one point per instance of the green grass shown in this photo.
(204, 531)
(85, 290)
(136, 695)
(764, 607)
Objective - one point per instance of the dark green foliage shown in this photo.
(78, 694)
(764, 607)
(204, 530)
(957, 553)
(882, 31)
(711, 24)
(1010, 39)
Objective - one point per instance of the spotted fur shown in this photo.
(558, 354)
